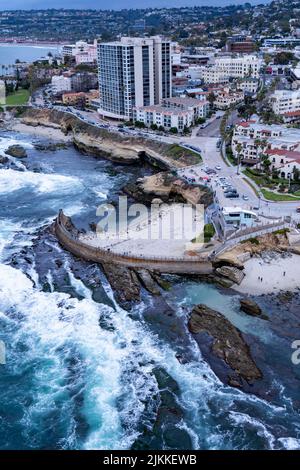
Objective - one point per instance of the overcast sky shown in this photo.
(112, 4)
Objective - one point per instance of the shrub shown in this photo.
(252, 240)
(282, 231)
(209, 231)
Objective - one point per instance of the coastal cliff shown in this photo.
(111, 145)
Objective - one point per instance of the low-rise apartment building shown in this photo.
(248, 85)
(252, 139)
(74, 81)
(227, 97)
(61, 84)
(80, 98)
(221, 69)
(176, 113)
(285, 101)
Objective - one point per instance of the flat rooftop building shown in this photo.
(133, 72)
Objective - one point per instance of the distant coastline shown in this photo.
(16, 42)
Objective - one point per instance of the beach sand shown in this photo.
(40, 131)
(271, 270)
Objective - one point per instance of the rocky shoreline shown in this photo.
(114, 146)
(224, 344)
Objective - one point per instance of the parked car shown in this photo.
(298, 209)
(218, 167)
(232, 195)
(230, 189)
(246, 198)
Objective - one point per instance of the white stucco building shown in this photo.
(82, 51)
(220, 69)
(226, 98)
(173, 112)
(60, 84)
(285, 101)
(254, 139)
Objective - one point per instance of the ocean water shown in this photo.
(82, 373)
(9, 53)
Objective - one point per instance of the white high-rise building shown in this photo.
(133, 72)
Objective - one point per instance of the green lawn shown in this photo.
(278, 197)
(17, 98)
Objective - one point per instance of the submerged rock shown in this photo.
(3, 160)
(228, 343)
(16, 151)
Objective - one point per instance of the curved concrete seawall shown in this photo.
(67, 235)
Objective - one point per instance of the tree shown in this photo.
(154, 127)
(296, 173)
(139, 124)
(211, 98)
(283, 58)
(260, 145)
(238, 149)
(173, 130)
(266, 164)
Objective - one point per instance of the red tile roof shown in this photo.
(292, 113)
(285, 153)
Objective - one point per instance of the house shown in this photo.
(285, 161)
(227, 97)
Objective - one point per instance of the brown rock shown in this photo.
(16, 151)
(252, 308)
(228, 342)
(233, 274)
(124, 283)
(147, 281)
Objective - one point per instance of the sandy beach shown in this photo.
(161, 233)
(40, 131)
(271, 271)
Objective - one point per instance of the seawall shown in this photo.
(67, 235)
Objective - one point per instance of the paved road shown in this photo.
(212, 158)
(206, 143)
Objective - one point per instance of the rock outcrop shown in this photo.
(168, 188)
(124, 283)
(228, 343)
(147, 281)
(252, 308)
(233, 274)
(16, 151)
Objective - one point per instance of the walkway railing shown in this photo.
(107, 255)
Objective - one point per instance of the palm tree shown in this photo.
(238, 149)
(260, 144)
